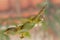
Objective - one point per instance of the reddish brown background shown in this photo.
(6, 4)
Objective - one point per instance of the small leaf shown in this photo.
(27, 34)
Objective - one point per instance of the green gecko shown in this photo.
(25, 27)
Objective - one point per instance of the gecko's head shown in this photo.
(10, 31)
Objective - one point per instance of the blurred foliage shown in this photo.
(53, 18)
(3, 36)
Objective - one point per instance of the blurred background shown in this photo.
(19, 8)
(14, 9)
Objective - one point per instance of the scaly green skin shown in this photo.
(29, 24)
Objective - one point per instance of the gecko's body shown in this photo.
(28, 24)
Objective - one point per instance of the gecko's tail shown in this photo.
(40, 12)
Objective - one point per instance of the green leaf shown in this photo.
(4, 37)
(27, 34)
